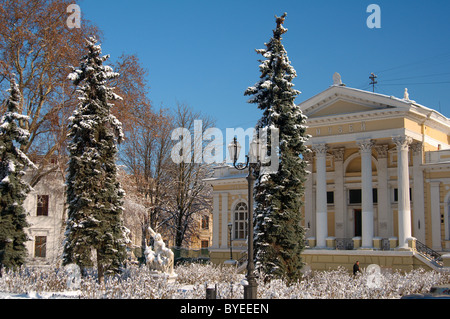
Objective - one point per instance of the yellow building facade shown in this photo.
(379, 182)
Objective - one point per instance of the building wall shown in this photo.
(352, 175)
(388, 261)
(229, 189)
(51, 226)
(203, 237)
(340, 118)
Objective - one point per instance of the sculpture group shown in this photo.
(160, 258)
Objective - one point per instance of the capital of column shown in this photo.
(382, 150)
(416, 148)
(339, 154)
(320, 149)
(402, 142)
(365, 145)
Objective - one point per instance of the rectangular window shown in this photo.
(396, 195)
(330, 197)
(205, 222)
(375, 195)
(40, 246)
(355, 196)
(42, 205)
(205, 243)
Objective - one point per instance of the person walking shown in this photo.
(356, 268)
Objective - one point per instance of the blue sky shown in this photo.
(202, 52)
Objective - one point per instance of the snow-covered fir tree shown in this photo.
(94, 194)
(13, 189)
(279, 236)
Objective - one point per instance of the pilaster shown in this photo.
(216, 220)
(224, 225)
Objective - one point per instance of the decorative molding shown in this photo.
(365, 145)
(416, 148)
(402, 142)
(382, 150)
(320, 149)
(339, 153)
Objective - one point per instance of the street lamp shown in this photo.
(230, 227)
(252, 163)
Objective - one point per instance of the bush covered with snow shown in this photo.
(139, 282)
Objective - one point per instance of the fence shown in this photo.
(184, 255)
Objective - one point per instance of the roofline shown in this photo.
(381, 98)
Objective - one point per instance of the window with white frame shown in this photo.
(42, 205)
(40, 246)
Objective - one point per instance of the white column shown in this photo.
(321, 195)
(216, 221)
(367, 193)
(404, 206)
(224, 228)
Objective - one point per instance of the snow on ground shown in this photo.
(42, 295)
(140, 283)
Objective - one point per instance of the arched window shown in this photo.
(240, 221)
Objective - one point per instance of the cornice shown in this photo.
(383, 107)
(355, 117)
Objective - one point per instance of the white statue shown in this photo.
(337, 79)
(73, 276)
(161, 258)
(406, 95)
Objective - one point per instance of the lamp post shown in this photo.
(250, 290)
(230, 227)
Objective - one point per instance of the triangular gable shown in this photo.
(338, 100)
(341, 106)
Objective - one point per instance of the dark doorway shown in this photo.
(358, 223)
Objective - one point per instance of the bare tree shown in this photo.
(146, 154)
(174, 194)
(38, 47)
(189, 196)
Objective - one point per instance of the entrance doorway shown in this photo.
(358, 222)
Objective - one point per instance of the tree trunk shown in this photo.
(100, 269)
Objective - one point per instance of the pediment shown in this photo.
(341, 106)
(340, 100)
